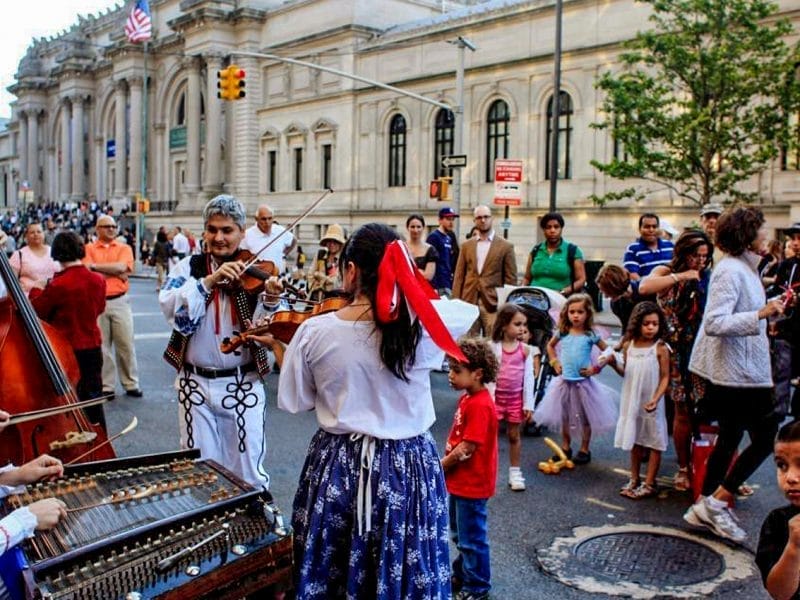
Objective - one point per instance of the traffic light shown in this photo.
(230, 83)
(143, 206)
(439, 188)
(445, 188)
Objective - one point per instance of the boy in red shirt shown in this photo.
(470, 465)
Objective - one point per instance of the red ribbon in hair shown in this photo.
(399, 279)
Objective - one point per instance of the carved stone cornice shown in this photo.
(191, 63)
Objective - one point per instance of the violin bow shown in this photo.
(289, 227)
(131, 426)
(56, 410)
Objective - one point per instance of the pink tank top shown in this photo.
(511, 372)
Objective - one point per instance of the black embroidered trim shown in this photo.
(188, 395)
(240, 397)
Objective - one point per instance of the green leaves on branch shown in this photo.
(702, 100)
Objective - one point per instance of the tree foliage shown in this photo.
(702, 101)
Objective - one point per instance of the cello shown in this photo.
(39, 370)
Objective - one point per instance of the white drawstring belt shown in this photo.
(364, 496)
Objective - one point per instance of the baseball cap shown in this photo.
(447, 212)
(712, 208)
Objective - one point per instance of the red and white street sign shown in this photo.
(507, 182)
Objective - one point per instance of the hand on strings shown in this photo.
(48, 512)
(43, 467)
(4, 417)
(227, 272)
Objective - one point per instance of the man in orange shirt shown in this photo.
(114, 261)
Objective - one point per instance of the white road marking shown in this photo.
(152, 336)
(148, 314)
(608, 505)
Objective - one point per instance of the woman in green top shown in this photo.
(555, 264)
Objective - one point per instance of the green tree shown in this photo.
(702, 101)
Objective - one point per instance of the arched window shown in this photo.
(564, 136)
(397, 151)
(443, 141)
(496, 135)
(180, 117)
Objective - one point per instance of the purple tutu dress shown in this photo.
(573, 401)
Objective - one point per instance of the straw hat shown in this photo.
(334, 233)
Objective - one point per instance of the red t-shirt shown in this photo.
(475, 421)
(71, 302)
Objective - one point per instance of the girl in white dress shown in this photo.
(642, 424)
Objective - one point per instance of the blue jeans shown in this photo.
(468, 524)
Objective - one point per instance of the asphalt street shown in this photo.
(521, 524)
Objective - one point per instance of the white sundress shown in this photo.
(635, 424)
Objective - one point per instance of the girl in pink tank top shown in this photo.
(513, 393)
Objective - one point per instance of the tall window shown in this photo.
(443, 143)
(564, 136)
(326, 166)
(397, 151)
(298, 169)
(272, 170)
(497, 121)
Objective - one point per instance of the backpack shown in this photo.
(572, 251)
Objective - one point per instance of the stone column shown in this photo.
(33, 153)
(135, 182)
(22, 147)
(120, 135)
(78, 178)
(192, 66)
(212, 181)
(65, 178)
(100, 168)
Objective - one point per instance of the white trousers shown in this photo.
(224, 418)
(116, 325)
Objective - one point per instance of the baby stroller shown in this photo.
(536, 303)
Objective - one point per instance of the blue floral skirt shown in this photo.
(380, 531)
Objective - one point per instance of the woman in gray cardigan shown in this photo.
(732, 353)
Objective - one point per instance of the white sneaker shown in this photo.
(721, 521)
(516, 481)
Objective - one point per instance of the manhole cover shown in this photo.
(649, 558)
(643, 561)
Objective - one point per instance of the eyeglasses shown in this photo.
(106, 226)
(483, 217)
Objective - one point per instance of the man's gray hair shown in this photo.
(226, 206)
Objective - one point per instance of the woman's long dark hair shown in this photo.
(686, 246)
(365, 249)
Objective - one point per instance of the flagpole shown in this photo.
(143, 181)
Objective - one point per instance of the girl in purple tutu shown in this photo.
(574, 400)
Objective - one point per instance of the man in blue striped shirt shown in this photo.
(649, 251)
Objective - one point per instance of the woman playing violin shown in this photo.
(205, 298)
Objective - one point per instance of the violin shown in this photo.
(284, 324)
(256, 272)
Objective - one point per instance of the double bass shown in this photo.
(40, 371)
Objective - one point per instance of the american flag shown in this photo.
(139, 28)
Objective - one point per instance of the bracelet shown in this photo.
(675, 277)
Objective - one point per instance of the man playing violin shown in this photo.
(222, 401)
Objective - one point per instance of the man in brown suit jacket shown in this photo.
(484, 264)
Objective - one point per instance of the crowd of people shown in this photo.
(701, 344)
